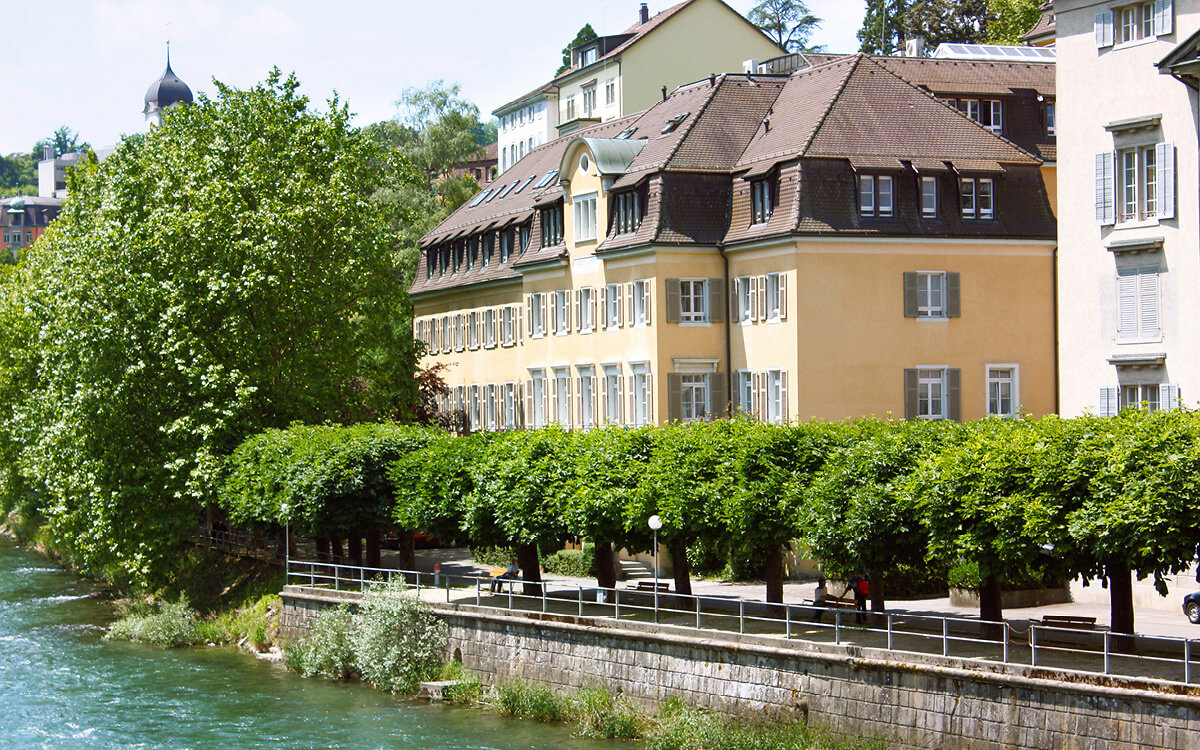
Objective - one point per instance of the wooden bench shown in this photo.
(661, 586)
(837, 602)
(1069, 621)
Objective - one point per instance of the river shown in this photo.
(63, 686)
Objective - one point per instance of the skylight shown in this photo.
(627, 132)
(994, 52)
(674, 122)
(524, 185)
(479, 198)
(546, 179)
(504, 191)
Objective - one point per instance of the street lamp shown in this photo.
(655, 524)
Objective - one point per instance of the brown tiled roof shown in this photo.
(806, 128)
(1045, 28)
(980, 77)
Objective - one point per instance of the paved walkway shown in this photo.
(1152, 622)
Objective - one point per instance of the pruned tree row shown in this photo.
(1088, 496)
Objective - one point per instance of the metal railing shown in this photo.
(1048, 647)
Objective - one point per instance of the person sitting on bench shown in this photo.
(512, 574)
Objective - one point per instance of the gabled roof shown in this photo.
(1183, 62)
(1046, 27)
(541, 92)
(980, 77)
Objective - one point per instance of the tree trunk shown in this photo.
(606, 566)
(335, 549)
(990, 608)
(1120, 597)
(774, 574)
(875, 574)
(322, 549)
(373, 558)
(354, 545)
(406, 549)
(531, 569)
(283, 549)
(679, 562)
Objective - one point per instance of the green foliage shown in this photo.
(398, 641)
(62, 141)
(601, 715)
(789, 23)
(321, 480)
(681, 728)
(585, 35)
(580, 563)
(469, 691)
(888, 24)
(430, 484)
(18, 175)
(516, 478)
(170, 625)
(1010, 19)
(255, 621)
(608, 466)
(525, 700)
(327, 650)
(224, 273)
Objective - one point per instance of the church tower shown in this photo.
(167, 91)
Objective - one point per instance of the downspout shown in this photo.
(728, 323)
(1054, 304)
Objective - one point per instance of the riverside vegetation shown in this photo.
(393, 641)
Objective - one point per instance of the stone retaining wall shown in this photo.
(915, 701)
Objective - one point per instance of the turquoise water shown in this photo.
(62, 686)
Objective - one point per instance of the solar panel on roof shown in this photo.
(992, 52)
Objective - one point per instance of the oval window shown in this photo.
(584, 163)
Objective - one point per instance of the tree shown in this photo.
(1010, 19)
(222, 274)
(62, 141)
(585, 35)
(788, 22)
(888, 24)
(18, 175)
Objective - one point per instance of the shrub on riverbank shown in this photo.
(678, 727)
(327, 650)
(170, 625)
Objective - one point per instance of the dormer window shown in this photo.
(674, 122)
(506, 243)
(552, 225)
(762, 200)
(875, 195)
(588, 56)
(584, 209)
(627, 212)
(976, 198)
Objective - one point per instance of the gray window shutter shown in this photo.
(649, 398)
(629, 318)
(910, 393)
(716, 301)
(1169, 395)
(953, 303)
(674, 309)
(1106, 210)
(954, 393)
(519, 404)
(910, 294)
(718, 394)
(674, 396)
(1107, 406)
(602, 321)
(783, 401)
(734, 317)
(1104, 29)
(648, 298)
(529, 411)
(783, 295)
(1164, 178)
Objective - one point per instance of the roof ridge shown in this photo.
(856, 60)
(976, 123)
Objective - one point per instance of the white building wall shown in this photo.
(525, 128)
(1097, 87)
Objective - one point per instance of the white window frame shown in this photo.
(614, 298)
(978, 197)
(641, 395)
(1050, 113)
(610, 92)
(586, 309)
(695, 394)
(775, 410)
(929, 197)
(537, 377)
(611, 393)
(584, 211)
(562, 396)
(743, 295)
(640, 313)
(745, 392)
(774, 304)
(931, 294)
(586, 397)
(508, 326)
(996, 376)
(537, 314)
(933, 397)
(562, 312)
(489, 328)
(693, 301)
(1147, 396)
(491, 410)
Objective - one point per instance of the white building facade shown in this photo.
(1128, 267)
(525, 124)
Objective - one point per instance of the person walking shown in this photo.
(861, 587)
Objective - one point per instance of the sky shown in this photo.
(87, 64)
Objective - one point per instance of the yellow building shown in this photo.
(833, 243)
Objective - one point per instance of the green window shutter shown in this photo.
(953, 303)
(910, 294)
(716, 301)
(674, 305)
(674, 396)
(910, 392)
(718, 397)
(954, 393)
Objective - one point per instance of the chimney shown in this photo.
(914, 47)
(643, 14)
(47, 151)
(664, 93)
